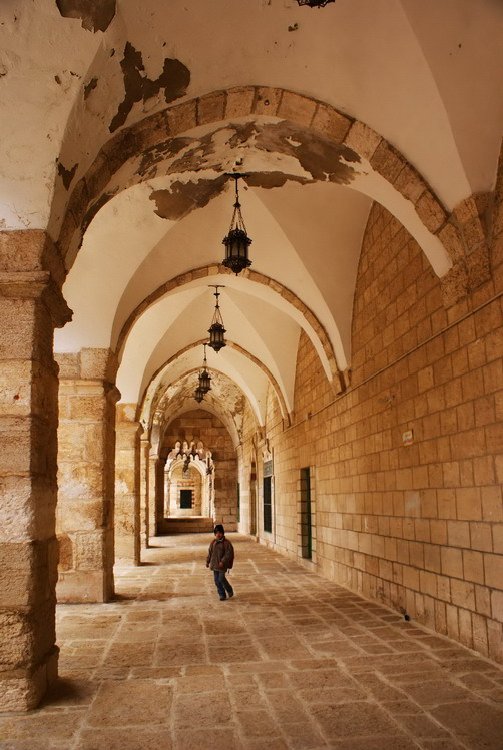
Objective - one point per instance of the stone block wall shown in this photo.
(249, 505)
(418, 526)
(127, 485)
(31, 306)
(86, 463)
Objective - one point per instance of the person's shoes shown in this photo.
(223, 598)
(230, 594)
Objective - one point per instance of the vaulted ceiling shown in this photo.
(423, 75)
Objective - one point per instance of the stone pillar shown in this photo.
(31, 306)
(144, 491)
(127, 485)
(168, 493)
(86, 459)
(159, 495)
(153, 463)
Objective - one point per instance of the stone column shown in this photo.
(153, 463)
(31, 306)
(166, 509)
(159, 495)
(86, 459)
(144, 490)
(127, 485)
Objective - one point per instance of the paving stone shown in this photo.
(332, 695)
(479, 724)
(71, 692)
(303, 736)
(197, 739)
(281, 673)
(435, 693)
(353, 720)
(209, 710)
(125, 739)
(257, 723)
(131, 702)
(376, 743)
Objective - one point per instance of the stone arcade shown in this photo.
(355, 419)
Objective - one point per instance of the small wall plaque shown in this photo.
(408, 437)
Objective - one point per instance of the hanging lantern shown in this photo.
(204, 381)
(198, 395)
(204, 377)
(236, 241)
(216, 329)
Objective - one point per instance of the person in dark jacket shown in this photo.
(219, 560)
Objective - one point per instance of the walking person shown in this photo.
(220, 559)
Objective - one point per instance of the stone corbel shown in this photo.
(36, 285)
(464, 236)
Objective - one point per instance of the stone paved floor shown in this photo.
(293, 661)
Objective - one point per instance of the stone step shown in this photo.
(188, 525)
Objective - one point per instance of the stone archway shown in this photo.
(357, 143)
(217, 467)
(185, 493)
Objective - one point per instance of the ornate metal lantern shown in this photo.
(236, 241)
(204, 377)
(216, 329)
(198, 395)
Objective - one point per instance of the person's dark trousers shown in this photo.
(222, 584)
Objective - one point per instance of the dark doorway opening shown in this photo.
(306, 520)
(268, 504)
(186, 499)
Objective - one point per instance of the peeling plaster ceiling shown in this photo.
(72, 73)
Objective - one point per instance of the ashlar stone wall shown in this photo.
(127, 519)
(86, 463)
(31, 306)
(409, 461)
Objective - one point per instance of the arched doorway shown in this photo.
(200, 473)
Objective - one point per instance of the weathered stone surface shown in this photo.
(451, 239)
(210, 108)
(83, 586)
(363, 140)
(430, 211)
(267, 101)
(97, 364)
(127, 489)
(24, 565)
(151, 131)
(239, 101)
(387, 161)
(138, 703)
(86, 491)
(168, 611)
(410, 183)
(297, 108)
(28, 421)
(478, 267)
(181, 117)
(330, 123)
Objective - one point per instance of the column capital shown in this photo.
(28, 250)
(126, 414)
(32, 268)
(36, 285)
